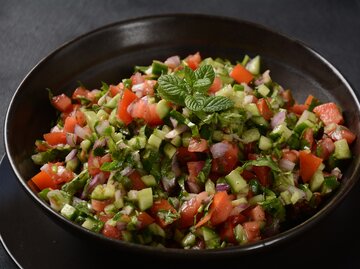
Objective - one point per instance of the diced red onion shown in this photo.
(336, 172)
(138, 87)
(81, 132)
(71, 139)
(222, 187)
(265, 78)
(137, 78)
(286, 165)
(168, 183)
(173, 61)
(219, 149)
(100, 143)
(45, 167)
(247, 88)
(248, 99)
(173, 122)
(238, 209)
(328, 129)
(55, 129)
(193, 186)
(101, 126)
(293, 189)
(175, 166)
(71, 155)
(99, 178)
(178, 130)
(127, 171)
(278, 118)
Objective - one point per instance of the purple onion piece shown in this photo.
(173, 61)
(278, 119)
(175, 166)
(71, 155)
(168, 183)
(100, 143)
(71, 139)
(96, 180)
(102, 125)
(193, 186)
(81, 132)
(219, 149)
(286, 165)
(222, 187)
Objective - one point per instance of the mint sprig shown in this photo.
(191, 90)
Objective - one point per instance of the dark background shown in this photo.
(30, 30)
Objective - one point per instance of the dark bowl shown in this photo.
(109, 54)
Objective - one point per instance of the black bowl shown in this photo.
(109, 54)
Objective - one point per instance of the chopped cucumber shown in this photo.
(92, 224)
(250, 135)
(162, 108)
(254, 65)
(69, 212)
(145, 199)
(265, 143)
(159, 68)
(149, 180)
(342, 150)
(169, 150)
(263, 90)
(154, 141)
(236, 181)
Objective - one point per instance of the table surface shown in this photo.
(30, 30)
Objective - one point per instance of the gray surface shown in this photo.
(30, 30)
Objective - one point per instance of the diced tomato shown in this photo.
(95, 162)
(194, 169)
(154, 118)
(264, 108)
(197, 145)
(136, 182)
(257, 213)
(80, 92)
(143, 110)
(111, 231)
(227, 232)
(124, 102)
(184, 155)
(115, 89)
(241, 74)
(309, 100)
(69, 125)
(216, 86)
(62, 103)
(190, 208)
(324, 148)
(161, 205)
(99, 206)
(55, 138)
(80, 118)
(248, 175)
(252, 229)
(298, 108)
(220, 208)
(288, 98)
(341, 132)
(329, 113)
(58, 173)
(193, 60)
(228, 162)
(309, 163)
(137, 78)
(43, 180)
(145, 219)
(263, 175)
(308, 136)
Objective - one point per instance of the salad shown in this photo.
(191, 153)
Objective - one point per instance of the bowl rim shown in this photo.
(187, 253)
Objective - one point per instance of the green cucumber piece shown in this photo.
(236, 181)
(265, 143)
(250, 135)
(145, 199)
(162, 108)
(342, 150)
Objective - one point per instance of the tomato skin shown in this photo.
(341, 132)
(80, 92)
(69, 125)
(241, 74)
(62, 103)
(55, 138)
(228, 162)
(98, 205)
(43, 180)
(308, 136)
(143, 110)
(290, 155)
(216, 86)
(194, 169)
(189, 209)
(298, 108)
(227, 232)
(115, 89)
(264, 109)
(136, 182)
(184, 155)
(127, 98)
(309, 163)
(263, 175)
(145, 219)
(288, 98)
(220, 208)
(95, 162)
(257, 213)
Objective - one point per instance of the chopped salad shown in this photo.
(191, 153)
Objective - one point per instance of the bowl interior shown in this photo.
(109, 54)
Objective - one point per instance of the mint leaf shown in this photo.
(264, 161)
(195, 103)
(189, 75)
(217, 103)
(205, 71)
(173, 89)
(202, 85)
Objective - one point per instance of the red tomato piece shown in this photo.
(124, 102)
(324, 148)
(55, 138)
(80, 92)
(193, 60)
(197, 145)
(62, 103)
(145, 219)
(220, 208)
(216, 86)
(241, 74)
(136, 182)
(309, 163)
(160, 205)
(264, 109)
(99, 206)
(228, 162)
(252, 229)
(298, 109)
(111, 231)
(43, 180)
(69, 125)
(329, 113)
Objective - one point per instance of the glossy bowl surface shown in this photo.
(109, 53)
